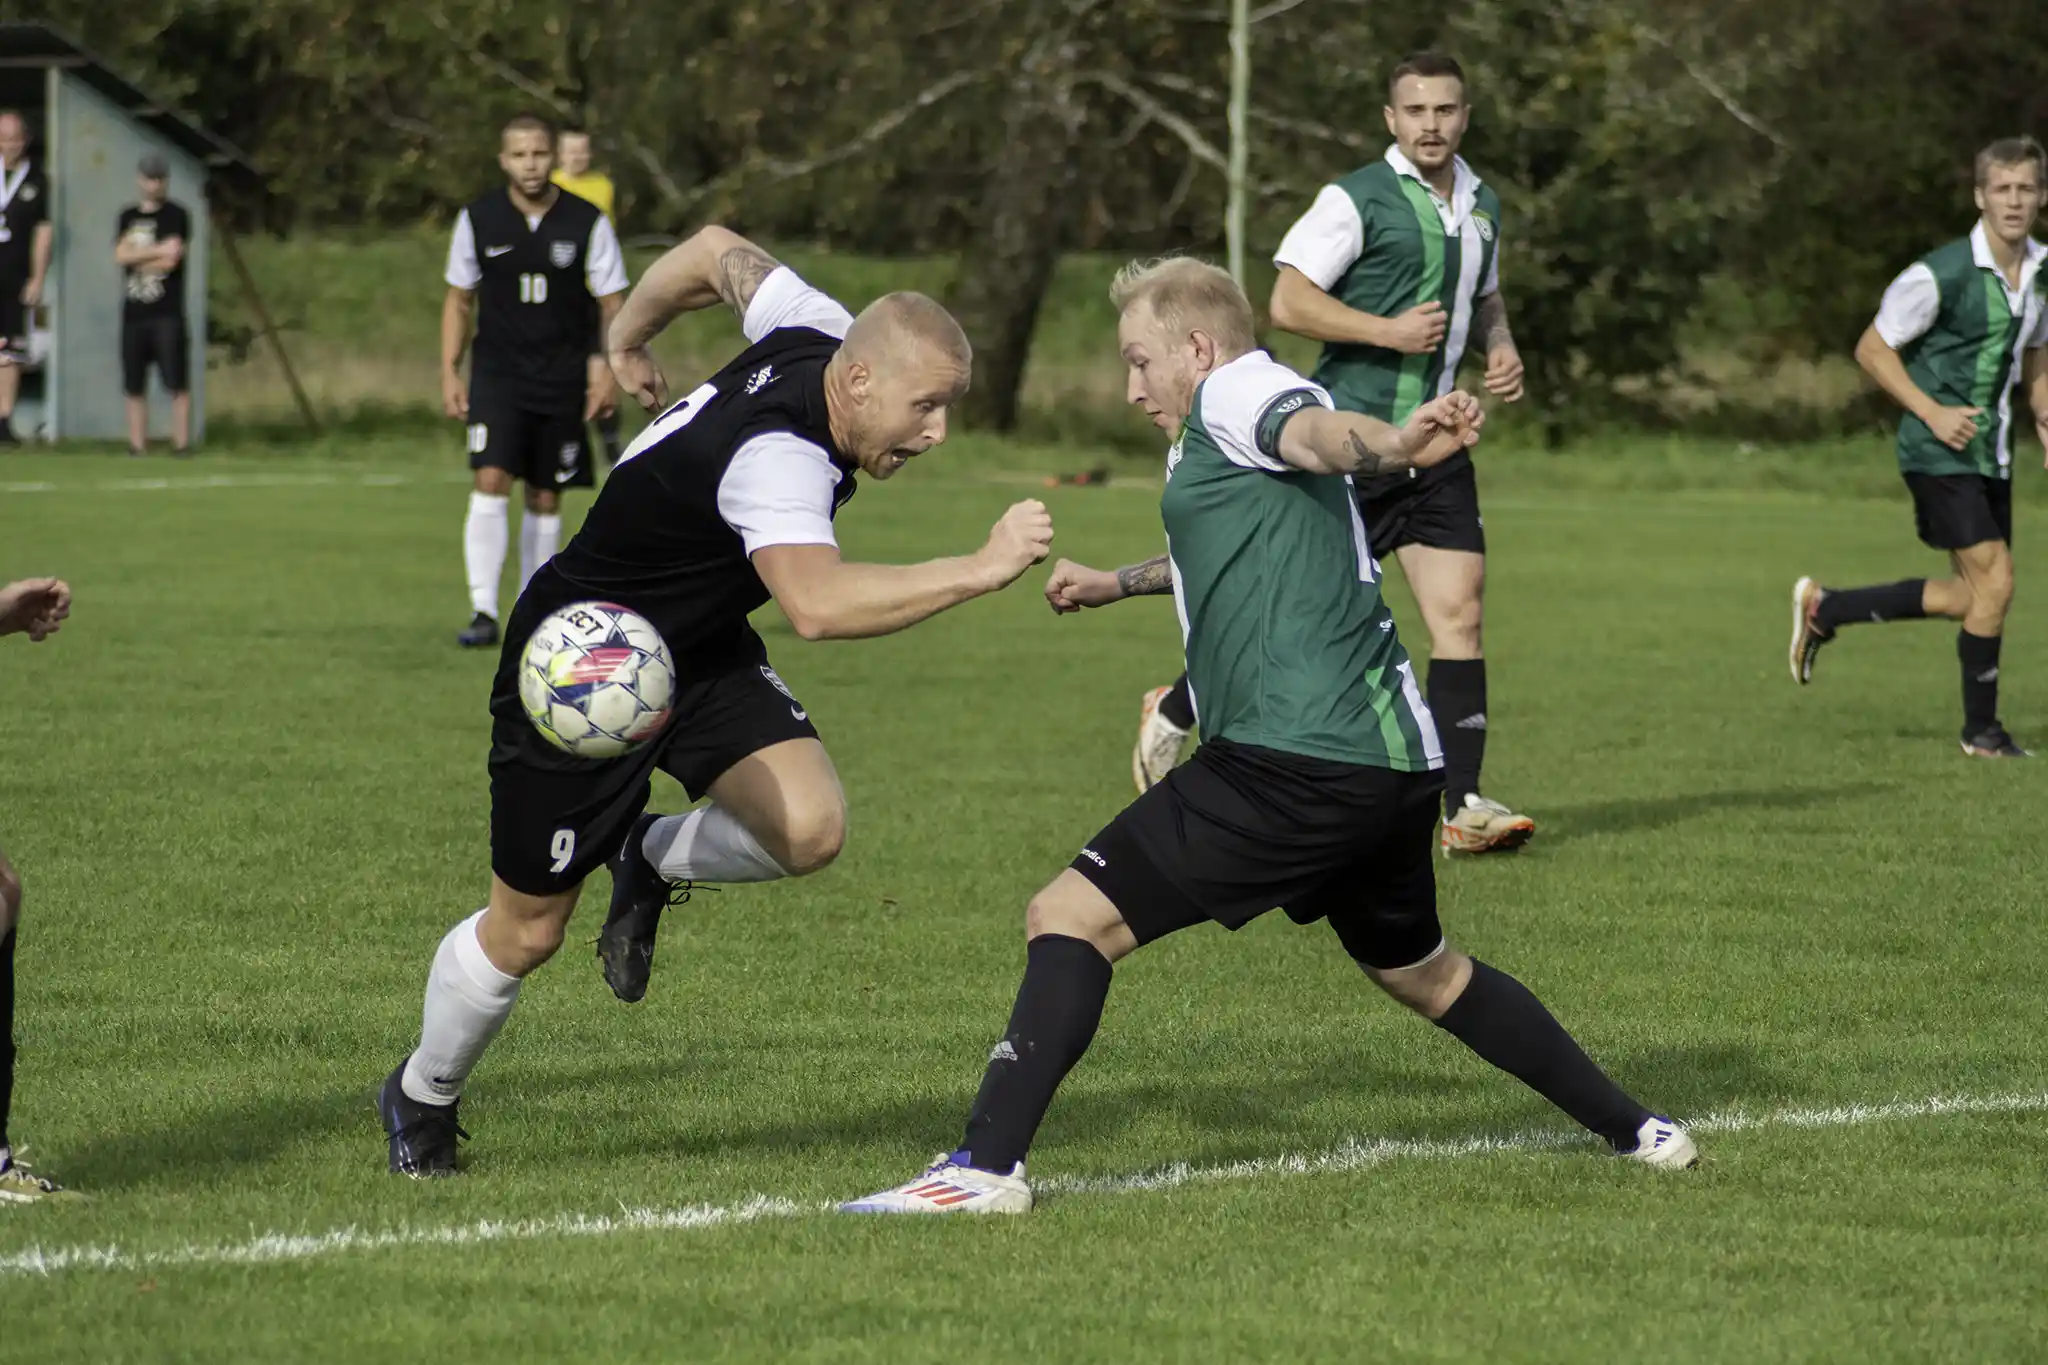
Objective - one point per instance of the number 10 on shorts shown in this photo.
(562, 848)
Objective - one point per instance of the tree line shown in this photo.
(1799, 154)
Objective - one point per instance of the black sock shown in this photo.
(1457, 696)
(1178, 705)
(1066, 982)
(6, 1029)
(1500, 1020)
(1898, 601)
(608, 433)
(1979, 657)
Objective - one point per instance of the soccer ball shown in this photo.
(597, 680)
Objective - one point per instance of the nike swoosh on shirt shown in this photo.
(496, 250)
(799, 713)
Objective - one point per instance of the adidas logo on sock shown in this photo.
(1990, 677)
(1477, 722)
(1002, 1052)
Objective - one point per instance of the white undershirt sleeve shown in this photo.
(1325, 241)
(463, 271)
(778, 491)
(784, 300)
(1910, 305)
(604, 265)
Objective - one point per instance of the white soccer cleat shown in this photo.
(949, 1186)
(1663, 1144)
(1160, 742)
(1483, 826)
(1807, 635)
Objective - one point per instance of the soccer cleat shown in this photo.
(1160, 742)
(625, 946)
(423, 1136)
(19, 1185)
(1663, 1144)
(1993, 743)
(1483, 826)
(482, 630)
(950, 1185)
(1807, 633)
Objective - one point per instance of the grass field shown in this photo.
(245, 789)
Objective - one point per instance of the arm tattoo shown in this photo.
(740, 272)
(1149, 579)
(1491, 321)
(1369, 464)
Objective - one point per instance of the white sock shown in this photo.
(708, 844)
(468, 1000)
(485, 532)
(540, 534)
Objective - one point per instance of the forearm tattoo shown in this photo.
(1369, 464)
(1491, 321)
(740, 272)
(1149, 579)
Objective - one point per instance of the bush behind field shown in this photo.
(361, 318)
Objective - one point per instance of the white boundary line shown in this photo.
(204, 482)
(278, 1247)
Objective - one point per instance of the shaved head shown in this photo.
(904, 363)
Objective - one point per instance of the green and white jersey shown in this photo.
(1382, 241)
(1963, 333)
(1289, 646)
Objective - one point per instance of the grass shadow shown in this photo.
(1642, 815)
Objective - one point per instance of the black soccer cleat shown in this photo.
(481, 631)
(625, 946)
(1993, 743)
(423, 1136)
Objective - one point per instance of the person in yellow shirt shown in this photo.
(572, 172)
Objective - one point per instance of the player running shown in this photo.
(1956, 331)
(725, 501)
(35, 607)
(1316, 783)
(528, 258)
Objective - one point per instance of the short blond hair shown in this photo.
(1188, 295)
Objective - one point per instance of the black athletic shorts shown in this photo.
(545, 449)
(160, 342)
(1956, 511)
(1237, 830)
(13, 314)
(1438, 508)
(555, 818)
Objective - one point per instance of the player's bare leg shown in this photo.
(10, 392)
(486, 535)
(181, 423)
(779, 812)
(138, 426)
(1450, 591)
(471, 990)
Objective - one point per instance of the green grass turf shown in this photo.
(245, 788)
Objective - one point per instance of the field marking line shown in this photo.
(206, 482)
(273, 1248)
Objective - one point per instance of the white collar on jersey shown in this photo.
(2030, 264)
(1464, 183)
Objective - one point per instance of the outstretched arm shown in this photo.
(1321, 440)
(826, 598)
(1075, 586)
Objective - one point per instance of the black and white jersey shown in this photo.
(24, 206)
(534, 277)
(743, 462)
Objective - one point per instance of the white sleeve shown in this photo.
(1325, 241)
(463, 271)
(604, 265)
(778, 491)
(1909, 307)
(784, 300)
(1243, 414)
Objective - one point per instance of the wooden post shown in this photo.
(249, 290)
(1240, 98)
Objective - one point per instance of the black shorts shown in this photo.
(1438, 508)
(545, 449)
(1237, 830)
(13, 313)
(555, 819)
(161, 342)
(1956, 511)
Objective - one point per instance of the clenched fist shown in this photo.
(1022, 538)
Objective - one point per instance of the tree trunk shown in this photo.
(1023, 222)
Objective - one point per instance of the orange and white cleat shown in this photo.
(1483, 826)
(1160, 743)
(1808, 635)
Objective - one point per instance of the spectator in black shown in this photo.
(150, 247)
(26, 239)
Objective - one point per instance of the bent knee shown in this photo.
(812, 839)
(1429, 988)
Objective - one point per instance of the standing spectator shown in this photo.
(573, 173)
(25, 243)
(149, 245)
